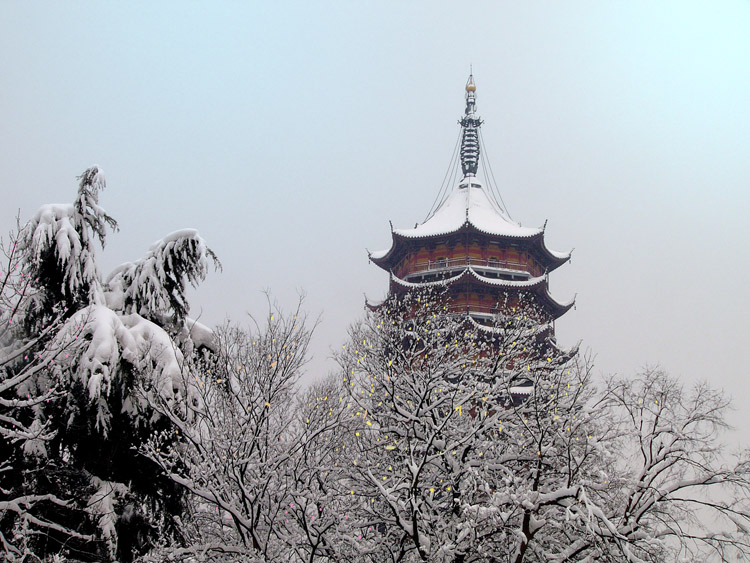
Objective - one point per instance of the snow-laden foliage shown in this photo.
(136, 322)
(110, 346)
(154, 286)
(29, 379)
(59, 246)
(456, 422)
(72, 351)
(480, 442)
(445, 440)
(237, 444)
(102, 506)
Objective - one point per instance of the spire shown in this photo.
(470, 124)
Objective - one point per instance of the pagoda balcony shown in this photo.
(487, 316)
(491, 268)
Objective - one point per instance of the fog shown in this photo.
(290, 134)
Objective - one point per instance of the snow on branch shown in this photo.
(58, 243)
(154, 286)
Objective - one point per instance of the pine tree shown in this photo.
(30, 372)
(116, 334)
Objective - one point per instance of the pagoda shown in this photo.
(469, 244)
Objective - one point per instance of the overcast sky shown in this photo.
(289, 134)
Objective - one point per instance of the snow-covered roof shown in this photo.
(539, 284)
(378, 254)
(522, 390)
(444, 281)
(469, 271)
(468, 206)
(468, 202)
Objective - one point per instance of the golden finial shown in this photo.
(470, 86)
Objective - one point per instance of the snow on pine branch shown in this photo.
(58, 239)
(109, 341)
(155, 284)
(72, 352)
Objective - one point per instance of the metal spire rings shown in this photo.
(470, 137)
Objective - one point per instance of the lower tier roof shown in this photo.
(537, 286)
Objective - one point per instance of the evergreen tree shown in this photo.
(117, 333)
(30, 372)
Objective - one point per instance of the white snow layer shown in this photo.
(102, 504)
(53, 226)
(469, 271)
(200, 334)
(469, 204)
(144, 282)
(108, 337)
(174, 237)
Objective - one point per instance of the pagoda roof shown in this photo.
(469, 203)
(469, 206)
(469, 272)
(538, 285)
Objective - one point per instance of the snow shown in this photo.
(560, 255)
(174, 237)
(468, 203)
(378, 254)
(446, 281)
(531, 282)
(200, 334)
(53, 226)
(469, 271)
(35, 445)
(154, 285)
(109, 337)
(102, 504)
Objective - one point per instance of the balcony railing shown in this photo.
(511, 267)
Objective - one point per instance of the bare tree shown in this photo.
(442, 444)
(444, 440)
(670, 492)
(484, 443)
(243, 443)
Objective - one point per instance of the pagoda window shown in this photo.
(493, 262)
(440, 263)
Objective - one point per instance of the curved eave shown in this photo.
(382, 258)
(558, 309)
(412, 285)
(409, 234)
(538, 285)
(555, 259)
(510, 284)
(373, 306)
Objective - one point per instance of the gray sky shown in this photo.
(290, 133)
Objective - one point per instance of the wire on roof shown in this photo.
(493, 185)
(443, 192)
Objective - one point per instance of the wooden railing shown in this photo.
(453, 263)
